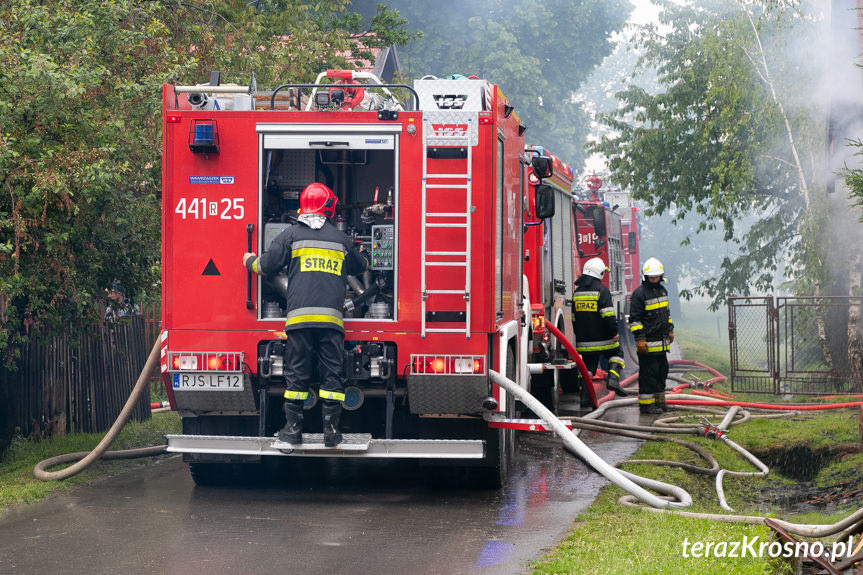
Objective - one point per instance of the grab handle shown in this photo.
(249, 305)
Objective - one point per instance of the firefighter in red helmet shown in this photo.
(651, 325)
(318, 257)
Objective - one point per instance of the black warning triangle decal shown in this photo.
(210, 269)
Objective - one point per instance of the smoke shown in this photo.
(839, 93)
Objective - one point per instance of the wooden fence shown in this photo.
(64, 386)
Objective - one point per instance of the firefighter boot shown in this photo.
(292, 432)
(650, 408)
(660, 401)
(332, 413)
(615, 368)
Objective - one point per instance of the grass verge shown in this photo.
(17, 484)
(609, 538)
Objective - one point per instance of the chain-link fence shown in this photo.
(795, 345)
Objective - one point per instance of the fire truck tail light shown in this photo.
(485, 118)
(187, 362)
(537, 318)
(448, 364)
(206, 361)
(538, 323)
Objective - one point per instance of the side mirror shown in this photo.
(542, 167)
(599, 221)
(543, 201)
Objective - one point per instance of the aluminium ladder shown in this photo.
(446, 183)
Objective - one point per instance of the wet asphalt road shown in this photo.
(341, 517)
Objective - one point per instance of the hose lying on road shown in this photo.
(629, 482)
(101, 450)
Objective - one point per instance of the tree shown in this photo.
(80, 88)
(715, 142)
(734, 137)
(538, 51)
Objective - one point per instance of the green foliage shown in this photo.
(80, 178)
(80, 145)
(714, 142)
(854, 180)
(539, 52)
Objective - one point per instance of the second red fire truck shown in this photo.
(583, 227)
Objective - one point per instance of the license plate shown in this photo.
(208, 381)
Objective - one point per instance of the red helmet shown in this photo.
(318, 199)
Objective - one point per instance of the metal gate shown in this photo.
(775, 347)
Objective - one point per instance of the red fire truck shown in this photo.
(550, 268)
(550, 264)
(620, 203)
(596, 229)
(433, 187)
(629, 235)
(600, 234)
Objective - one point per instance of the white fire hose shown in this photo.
(631, 483)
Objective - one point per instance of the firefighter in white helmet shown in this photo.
(594, 322)
(318, 257)
(651, 325)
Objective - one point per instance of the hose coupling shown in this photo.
(712, 431)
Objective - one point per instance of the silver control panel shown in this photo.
(383, 247)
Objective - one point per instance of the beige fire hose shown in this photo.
(101, 450)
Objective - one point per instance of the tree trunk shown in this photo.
(763, 70)
(855, 338)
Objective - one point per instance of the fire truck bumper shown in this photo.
(354, 445)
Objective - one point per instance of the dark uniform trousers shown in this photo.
(652, 373)
(301, 348)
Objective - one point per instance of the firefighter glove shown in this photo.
(641, 346)
(670, 336)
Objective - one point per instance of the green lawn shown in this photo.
(609, 538)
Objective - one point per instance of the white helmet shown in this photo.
(595, 267)
(652, 267)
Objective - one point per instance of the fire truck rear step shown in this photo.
(375, 448)
(315, 442)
